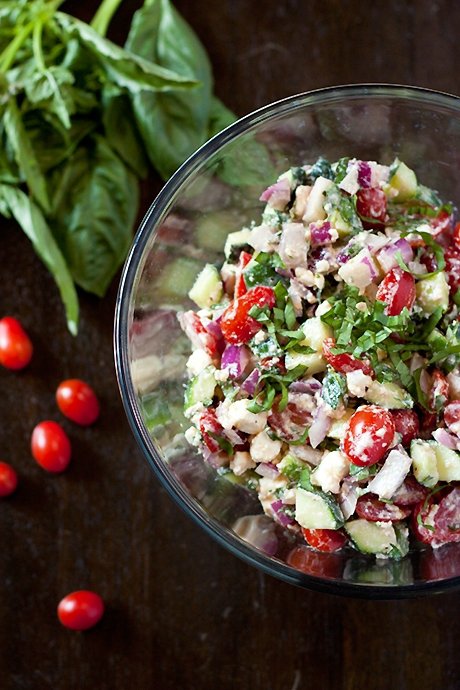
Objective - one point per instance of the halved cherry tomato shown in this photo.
(438, 524)
(8, 479)
(80, 610)
(371, 205)
(325, 539)
(344, 363)
(410, 492)
(423, 530)
(439, 391)
(452, 258)
(397, 290)
(50, 446)
(210, 426)
(77, 401)
(368, 436)
(406, 424)
(240, 285)
(312, 562)
(370, 508)
(236, 324)
(16, 348)
(456, 236)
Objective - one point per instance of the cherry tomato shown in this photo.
(456, 236)
(439, 391)
(311, 562)
(438, 524)
(198, 334)
(452, 258)
(16, 348)
(370, 508)
(344, 363)
(452, 416)
(8, 479)
(236, 324)
(50, 446)
(290, 423)
(406, 424)
(397, 290)
(240, 285)
(410, 492)
(371, 205)
(77, 401)
(209, 426)
(442, 226)
(423, 530)
(370, 431)
(325, 539)
(80, 610)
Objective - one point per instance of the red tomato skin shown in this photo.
(439, 391)
(452, 416)
(236, 324)
(456, 236)
(370, 508)
(344, 363)
(407, 424)
(397, 290)
(16, 348)
(8, 480)
(370, 420)
(410, 493)
(328, 540)
(209, 424)
(371, 204)
(78, 402)
(80, 610)
(452, 258)
(240, 285)
(51, 447)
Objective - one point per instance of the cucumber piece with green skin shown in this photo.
(200, 389)
(433, 292)
(372, 537)
(388, 395)
(448, 463)
(207, 288)
(424, 462)
(339, 426)
(314, 363)
(317, 510)
(403, 180)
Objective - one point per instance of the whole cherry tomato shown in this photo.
(80, 610)
(16, 348)
(50, 446)
(77, 401)
(8, 479)
(397, 290)
(370, 508)
(325, 539)
(452, 416)
(406, 424)
(344, 363)
(368, 436)
(236, 324)
(371, 205)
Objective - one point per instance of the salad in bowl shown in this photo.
(325, 366)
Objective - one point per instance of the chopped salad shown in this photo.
(325, 371)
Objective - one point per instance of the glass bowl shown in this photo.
(216, 191)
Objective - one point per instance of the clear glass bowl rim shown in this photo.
(156, 210)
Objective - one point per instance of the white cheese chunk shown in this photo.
(241, 462)
(332, 469)
(391, 476)
(263, 448)
(235, 414)
(358, 383)
(198, 360)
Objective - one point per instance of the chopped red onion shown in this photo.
(371, 266)
(387, 256)
(348, 497)
(306, 386)
(267, 469)
(235, 359)
(446, 439)
(320, 427)
(249, 385)
(216, 460)
(364, 174)
(233, 436)
(277, 195)
(320, 234)
(425, 382)
(213, 327)
(283, 519)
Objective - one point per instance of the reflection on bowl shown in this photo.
(213, 194)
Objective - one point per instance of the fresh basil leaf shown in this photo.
(334, 388)
(48, 89)
(19, 141)
(94, 208)
(31, 220)
(121, 132)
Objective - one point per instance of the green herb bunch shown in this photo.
(81, 120)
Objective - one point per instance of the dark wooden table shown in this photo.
(182, 613)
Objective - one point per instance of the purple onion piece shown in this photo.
(277, 194)
(446, 439)
(234, 360)
(387, 255)
(320, 234)
(267, 469)
(305, 386)
(320, 427)
(249, 385)
(283, 519)
(364, 174)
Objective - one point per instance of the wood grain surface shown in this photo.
(182, 613)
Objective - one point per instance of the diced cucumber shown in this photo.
(388, 395)
(448, 463)
(291, 467)
(314, 363)
(340, 224)
(372, 537)
(177, 278)
(433, 292)
(200, 389)
(314, 209)
(339, 426)
(316, 510)
(207, 288)
(236, 240)
(403, 180)
(424, 462)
